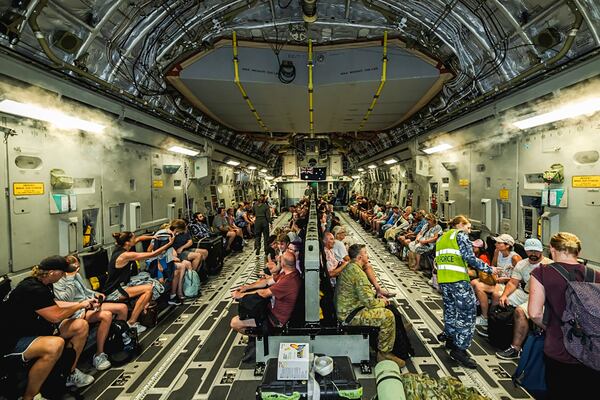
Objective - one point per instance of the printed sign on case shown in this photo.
(463, 182)
(157, 183)
(586, 181)
(28, 188)
(504, 194)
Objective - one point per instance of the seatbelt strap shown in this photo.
(353, 314)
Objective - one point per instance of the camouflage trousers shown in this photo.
(381, 318)
(459, 312)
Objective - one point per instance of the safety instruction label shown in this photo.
(28, 188)
(463, 182)
(157, 183)
(586, 181)
(504, 194)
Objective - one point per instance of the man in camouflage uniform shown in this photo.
(353, 291)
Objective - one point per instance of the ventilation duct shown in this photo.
(309, 10)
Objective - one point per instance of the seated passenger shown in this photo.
(37, 329)
(425, 240)
(71, 289)
(334, 267)
(122, 263)
(504, 260)
(355, 304)
(170, 268)
(242, 220)
(183, 245)
(199, 227)
(221, 225)
(231, 221)
(516, 294)
(479, 251)
(283, 292)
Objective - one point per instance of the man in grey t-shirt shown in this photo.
(262, 224)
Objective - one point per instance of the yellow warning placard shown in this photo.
(158, 183)
(28, 188)
(586, 181)
(463, 182)
(504, 194)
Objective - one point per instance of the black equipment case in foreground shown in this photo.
(341, 383)
(216, 254)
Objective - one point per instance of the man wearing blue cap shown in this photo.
(516, 293)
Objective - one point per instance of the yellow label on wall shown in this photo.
(157, 183)
(463, 182)
(504, 194)
(586, 181)
(28, 188)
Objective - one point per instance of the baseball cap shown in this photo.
(505, 238)
(533, 245)
(58, 263)
(478, 243)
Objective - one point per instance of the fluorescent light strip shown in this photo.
(390, 161)
(360, 169)
(183, 150)
(263, 170)
(251, 167)
(355, 176)
(54, 117)
(572, 110)
(372, 166)
(233, 163)
(438, 148)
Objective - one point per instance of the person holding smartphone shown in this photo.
(70, 289)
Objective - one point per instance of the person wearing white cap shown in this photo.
(516, 294)
(504, 260)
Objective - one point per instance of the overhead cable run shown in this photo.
(311, 120)
(241, 88)
(381, 84)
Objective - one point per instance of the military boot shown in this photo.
(463, 358)
(389, 356)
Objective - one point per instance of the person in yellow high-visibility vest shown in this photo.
(453, 252)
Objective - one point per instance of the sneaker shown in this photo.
(481, 321)
(79, 379)
(463, 358)
(381, 356)
(138, 327)
(442, 337)
(250, 351)
(481, 330)
(175, 301)
(509, 354)
(101, 362)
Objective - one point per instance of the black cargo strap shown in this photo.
(353, 314)
(123, 291)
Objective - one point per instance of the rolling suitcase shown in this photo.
(500, 326)
(341, 383)
(214, 262)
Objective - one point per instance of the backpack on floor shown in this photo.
(115, 347)
(500, 326)
(531, 371)
(237, 244)
(581, 318)
(191, 283)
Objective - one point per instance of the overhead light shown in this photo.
(269, 177)
(54, 117)
(572, 110)
(355, 176)
(252, 167)
(233, 163)
(360, 169)
(390, 161)
(183, 150)
(438, 148)
(371, 166)
(263, 170)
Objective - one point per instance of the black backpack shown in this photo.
(115, 347)
(500, 326)
(253, 306)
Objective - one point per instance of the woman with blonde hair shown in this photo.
(566, 377)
